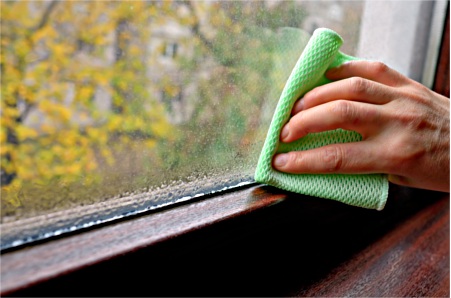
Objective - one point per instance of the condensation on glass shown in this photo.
(110, 108)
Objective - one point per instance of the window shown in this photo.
(170, 49)
(98, 124)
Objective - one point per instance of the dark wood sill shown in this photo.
(258, 241)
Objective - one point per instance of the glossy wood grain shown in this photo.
(412, 260)
(257, 242)
(37, 263)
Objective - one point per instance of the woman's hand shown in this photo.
(404, 126)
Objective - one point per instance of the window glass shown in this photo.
(139, 104)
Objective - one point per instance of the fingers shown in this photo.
(354, 89)
(355, 101)
(360, 117)
(370, 70)
(347, 158)
(364, 81)
(397, 118)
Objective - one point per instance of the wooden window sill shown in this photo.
(257, 241)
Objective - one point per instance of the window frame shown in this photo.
(42, 261)
(218, 224)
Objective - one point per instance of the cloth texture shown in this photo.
(363, 190)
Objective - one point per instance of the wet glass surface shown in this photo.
(142, 103)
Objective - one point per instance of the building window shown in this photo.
(170, 49)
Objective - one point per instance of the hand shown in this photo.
(404, 127)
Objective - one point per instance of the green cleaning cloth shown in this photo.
(362, 190)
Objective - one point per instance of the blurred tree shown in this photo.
(55, 65)
(79, 120)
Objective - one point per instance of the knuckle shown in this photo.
(379, 68)
(295, 160)
(332, 158)
(420, 94)
(358, 86)
(344, 110)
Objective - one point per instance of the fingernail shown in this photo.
(280, 160)
(285, 132)
(333, 71)
(301, 104)
(298, 106)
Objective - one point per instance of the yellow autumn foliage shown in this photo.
(24, 133)
(82, 116)
(54, 62)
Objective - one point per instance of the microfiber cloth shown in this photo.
(363, 190)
